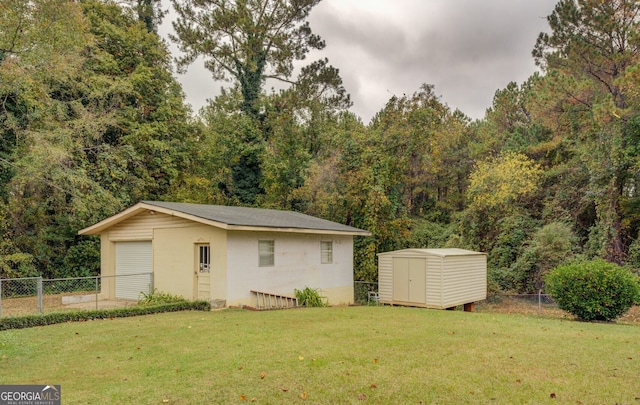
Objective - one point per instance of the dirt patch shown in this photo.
(53, 303)
(508, 305)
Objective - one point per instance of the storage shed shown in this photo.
(432, 278)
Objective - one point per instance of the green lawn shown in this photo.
(328, 356)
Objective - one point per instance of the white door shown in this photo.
(133, 269)
(203, 272)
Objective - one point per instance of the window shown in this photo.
(326, 252)
(266, 252)
(204, 258)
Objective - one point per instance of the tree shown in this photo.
(37, 39)
(550, 246)
(37, 33)
(150, 12)
(593, 39)
(590, 48)
(139, 148)
(248, 42)
(421, 138)
(501, 182)
(40, 45)
(103, 130)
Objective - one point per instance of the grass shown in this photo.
(328, 355)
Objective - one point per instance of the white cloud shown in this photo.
(468, 49)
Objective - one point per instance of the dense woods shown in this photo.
(92, 120)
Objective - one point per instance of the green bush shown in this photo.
(20, 322)
(594, 290)
(310, 297)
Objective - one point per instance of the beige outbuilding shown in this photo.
(432, 278)
(230, 256)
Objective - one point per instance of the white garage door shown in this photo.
(133, 269)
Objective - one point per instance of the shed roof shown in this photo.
(435, 252)
(231, 218)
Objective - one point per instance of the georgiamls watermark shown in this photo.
(30, 394)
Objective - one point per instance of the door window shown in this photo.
(204, 258)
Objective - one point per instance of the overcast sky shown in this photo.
(467, 49)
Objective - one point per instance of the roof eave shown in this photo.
(298, 230)
(142, 206)
(137, 209)
(96, 229)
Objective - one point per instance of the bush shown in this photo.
(310, 297)
(29, 321)
(594, 290)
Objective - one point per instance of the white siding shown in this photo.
(434, 281)
(133, 261)
(464, 280)
(297, 264)
(385, 279)
(454, 276)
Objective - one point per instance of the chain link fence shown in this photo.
(365, 292)
(540, 303)
(35, 295)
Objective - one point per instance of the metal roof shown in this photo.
(232, 218)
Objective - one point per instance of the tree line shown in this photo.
(93, 120)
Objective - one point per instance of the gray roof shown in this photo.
(256, 217)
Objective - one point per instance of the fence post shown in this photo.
(40, 300)
(0, 297)
(539, 302)
(97, 293)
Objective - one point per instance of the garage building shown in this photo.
(230, 256)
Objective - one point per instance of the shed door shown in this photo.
(409, 279)
(133, 269)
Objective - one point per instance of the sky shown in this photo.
(467, 49)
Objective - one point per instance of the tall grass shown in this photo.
(352, 355)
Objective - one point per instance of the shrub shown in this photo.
(29, 321)
(594, 290)
(158, 297)
(310, 297)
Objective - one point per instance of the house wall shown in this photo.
(173, 243)
(234, 260)
(175, 259)
(107, 268)
(297, 264)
